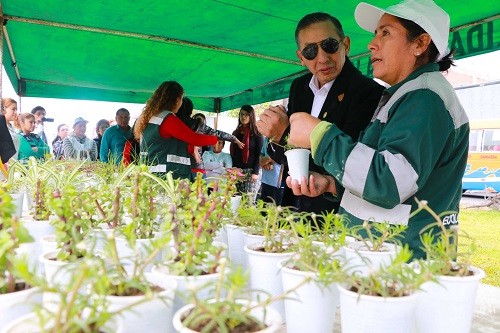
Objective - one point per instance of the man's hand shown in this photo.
(301, 126)
(273, 122)
(317, 185)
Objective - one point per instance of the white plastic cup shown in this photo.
(298, 163)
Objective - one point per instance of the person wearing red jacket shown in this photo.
(163, 137)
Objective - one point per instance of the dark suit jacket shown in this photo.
(350, 105)
(7, 149)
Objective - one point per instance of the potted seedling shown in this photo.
(375, 243)
(449, 252)
(297, 160)
(38, 178)
(385, 299)
(14, 185)
(66, 308)
(318, 268)
(228, 312)
(16, 296)
(235, 227)
(263, 258)
(141, 210)
(73, 210)
(194, 258)
(227, 187)
(109, 216)
(145, 300)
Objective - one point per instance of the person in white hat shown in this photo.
(415, 146)
(77, 145)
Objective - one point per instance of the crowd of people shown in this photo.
(374, 149)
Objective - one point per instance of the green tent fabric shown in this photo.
(224, 53)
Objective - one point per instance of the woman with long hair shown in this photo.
(9, 110)
(247, 157)
(163, 136)
(57, 143)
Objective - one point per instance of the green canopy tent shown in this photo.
(225, 53)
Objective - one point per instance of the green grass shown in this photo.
(484, 226)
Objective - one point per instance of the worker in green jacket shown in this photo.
(417, 142)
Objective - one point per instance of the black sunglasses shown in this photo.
(329, 45)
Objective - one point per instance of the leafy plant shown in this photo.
(109, 205)
(316, 256)
(374, 234)
(143, 187)
(227, 313)
(12, 235)
(328, 227)
(395, 280)
(275, 226)
(38, 177)
(445, 254)
(192, 223)
(73, 210)
(113, 279)
(70, 309)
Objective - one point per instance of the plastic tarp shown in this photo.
(224, 53)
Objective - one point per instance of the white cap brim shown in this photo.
(425, 13)
(367, 16)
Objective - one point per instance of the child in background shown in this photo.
(215, 162)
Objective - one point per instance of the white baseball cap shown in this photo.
(429, 16)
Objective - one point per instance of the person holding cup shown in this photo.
(417, 143)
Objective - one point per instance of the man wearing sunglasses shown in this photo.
(334, 91)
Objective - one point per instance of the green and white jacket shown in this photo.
(414, 148)
(165, 154)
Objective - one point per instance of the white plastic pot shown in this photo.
(187, 284)
(49, 244)
(250, 239)
(154, 315)
(272, 319)
(17, 304)
(97, 238)
(128, 255)
(55, 270)
(18, 199)
(360, 259)
(235, 243)
(265, 273)
(374, 314)
(37, 230)
(30, 323)
(312, 306)
(448, 305)
(235, 203)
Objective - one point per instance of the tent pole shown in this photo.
(1, 51)
(217, 106)
(154, 38)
